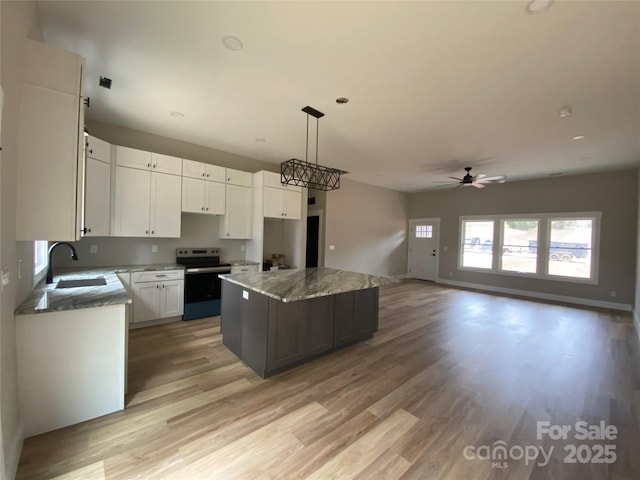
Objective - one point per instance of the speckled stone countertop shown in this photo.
(237, 263)
(47, 298)
(302, 284)
(147, 268)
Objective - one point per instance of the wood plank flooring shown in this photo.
(448, 369)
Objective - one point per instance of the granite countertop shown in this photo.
(47, 298)
(147, 268)
(238, 263)
(302, 284)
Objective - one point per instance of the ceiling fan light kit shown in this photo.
(478, 181)
(305, 174)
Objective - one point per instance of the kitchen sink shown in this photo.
(81, 282)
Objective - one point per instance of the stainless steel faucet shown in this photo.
(74, 256)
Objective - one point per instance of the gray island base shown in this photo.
(274, 321)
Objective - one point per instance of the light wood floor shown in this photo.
(448, 369)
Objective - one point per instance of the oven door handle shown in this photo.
(208, 270)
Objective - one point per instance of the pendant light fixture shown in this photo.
(309, 175)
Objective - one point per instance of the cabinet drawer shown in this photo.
(244, 268)
(156, 276)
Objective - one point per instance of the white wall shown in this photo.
(367, 225)
(18, 20)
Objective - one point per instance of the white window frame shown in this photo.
(544, 239)
(40, 250)
(461, 244)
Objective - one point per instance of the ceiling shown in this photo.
(433, 86)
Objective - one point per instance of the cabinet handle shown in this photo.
(203, 209)
(91, 150)
(204, 174)
(207, 209)
(227, 234)
(152, 232)
(154, 165)
(163, 285)
(146, 232)
(148, 165)
(207, 175)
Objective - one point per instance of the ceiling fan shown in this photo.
(479, 181)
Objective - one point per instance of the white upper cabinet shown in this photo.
(157, 162)
(166, 164)
(97, 218)
(98, 149)
(147, 204)
(239, 177)
(237, 220)
(203, 171)
(200, 196)
(133, 158)
(280, 201)
(50, 176)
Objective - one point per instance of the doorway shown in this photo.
(314, 239)
(424, 239)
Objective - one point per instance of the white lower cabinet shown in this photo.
(157, 294)
(147, 204)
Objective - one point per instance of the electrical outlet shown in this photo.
(93, 249)
(613, 293)
(242, 247)
(19, 268)
(451, 274)
(332, 247)
(154, 248)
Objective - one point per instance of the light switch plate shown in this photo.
(154, 248)
(6, 278)
(245, 295)
(93, 249)
(332, 247)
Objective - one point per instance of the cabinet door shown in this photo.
(215, 202)
(345, 318)
(366, 312)
(237, 219)
(97, 197)
(166, 193)
(239, 177)
(146, 298)
(166, 164)
(319, 325)
(133, 158)
(98, 149)
(171, 299)
(193, 193)
(286, 333)
(274, 180)
(193, 169)
(132, 202)
(291, 204)
(215, 173)
(273, 198)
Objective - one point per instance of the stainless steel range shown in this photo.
(202, 285)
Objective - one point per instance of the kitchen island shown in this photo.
(274, 321)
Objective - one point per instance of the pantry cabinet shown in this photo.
(97, 220)
(236, 222)
(50, 167)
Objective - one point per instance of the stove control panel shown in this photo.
(197, 252)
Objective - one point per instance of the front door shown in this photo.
(423, 249)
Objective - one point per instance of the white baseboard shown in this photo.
(539, 295)
(400, 276)
(15, 450)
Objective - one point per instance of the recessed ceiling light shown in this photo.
(342, 100)
(538, 6)
(261, 140)
(232, 43)
(565, 111)
(177, 114)
(577, 137)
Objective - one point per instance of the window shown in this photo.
(40, 256)
(570, 241)
(424, 231)
(477, 244)
(549, 246)
(519, 245)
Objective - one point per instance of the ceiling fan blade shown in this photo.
(443, 181)
(455, 178)
(479, 176)
(478, 185)
(495, 179)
